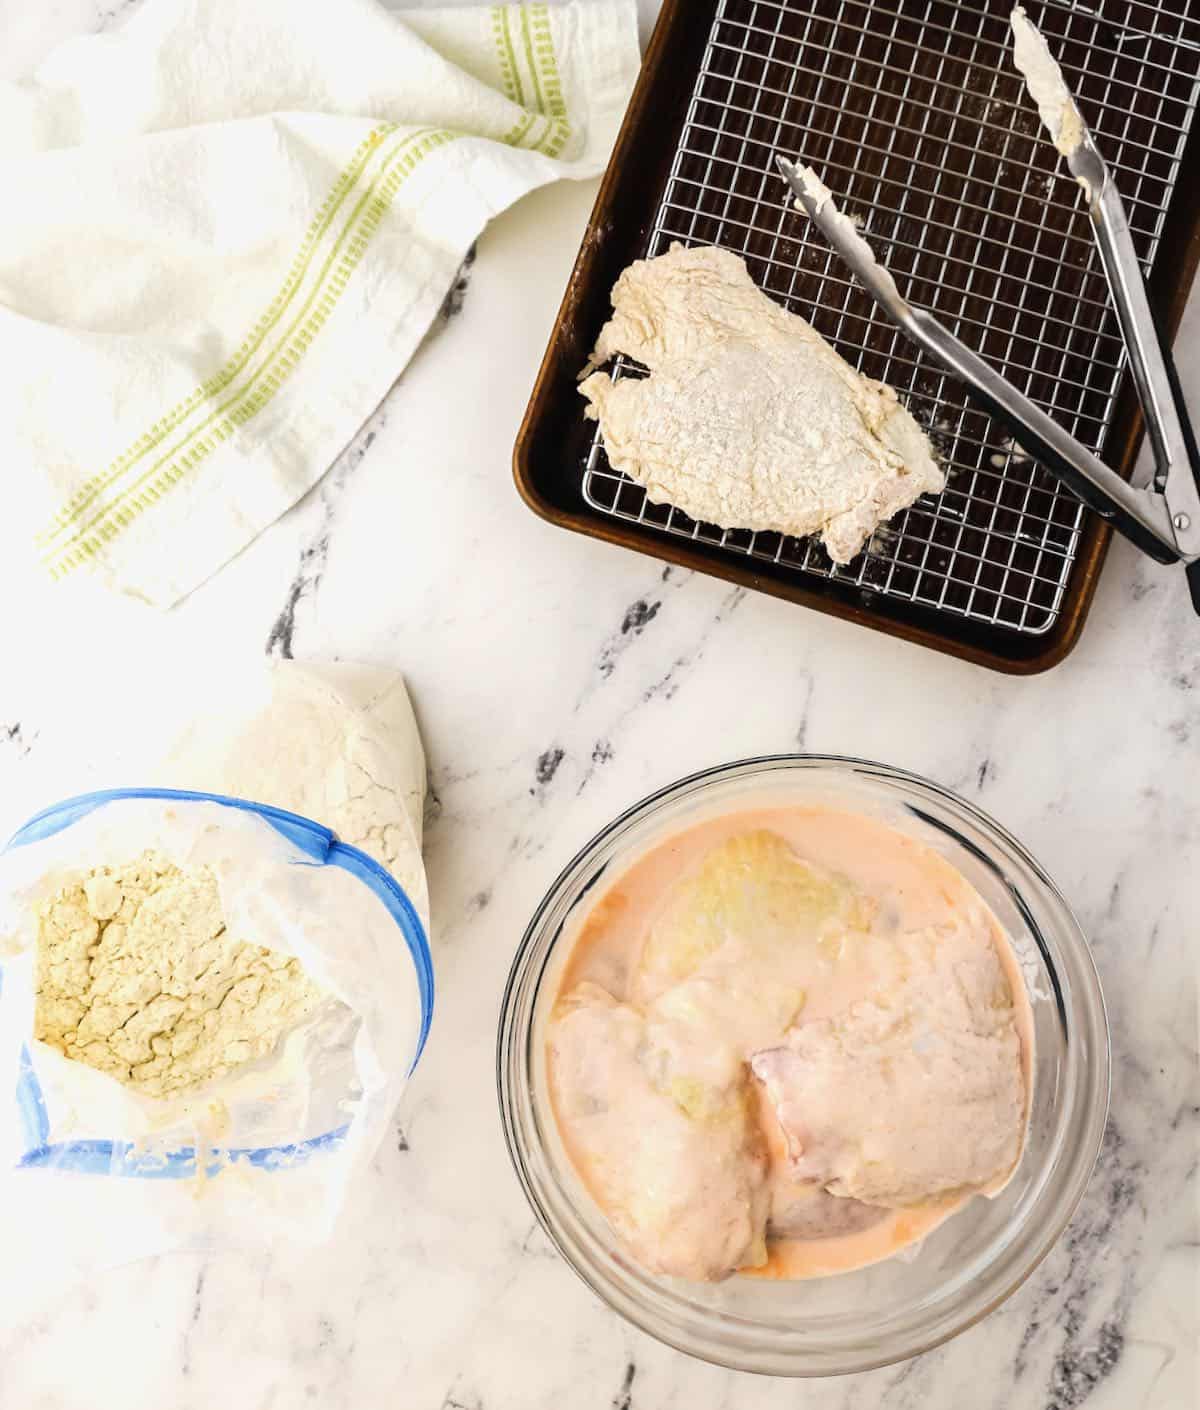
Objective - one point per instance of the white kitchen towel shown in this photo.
(228, 227)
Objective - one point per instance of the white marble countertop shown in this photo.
(556, 681)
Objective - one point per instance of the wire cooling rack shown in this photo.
(919, 123)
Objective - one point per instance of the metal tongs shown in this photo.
(1161, 515)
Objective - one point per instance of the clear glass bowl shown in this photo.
(915, 1300)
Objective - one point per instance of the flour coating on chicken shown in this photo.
(749, 419)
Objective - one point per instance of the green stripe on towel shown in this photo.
(260, 390)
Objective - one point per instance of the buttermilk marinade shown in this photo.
(789, 1042)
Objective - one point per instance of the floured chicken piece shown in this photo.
(749, 419)
(675, 1163)
(911, 1093)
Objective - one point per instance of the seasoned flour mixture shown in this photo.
(137, 976)
(749, 418)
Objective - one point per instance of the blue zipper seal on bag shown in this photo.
(100, 1157)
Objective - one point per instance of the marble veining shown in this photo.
(556, 681)
(313, 554)
(452, 304)
(332, 485)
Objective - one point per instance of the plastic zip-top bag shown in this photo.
(267, 1147)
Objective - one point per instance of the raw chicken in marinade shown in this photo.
(675, 1161)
